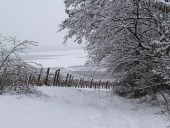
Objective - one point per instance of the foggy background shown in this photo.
(35, 20)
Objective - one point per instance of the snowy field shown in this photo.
(60, 58)
(76, 108)
(69, 61)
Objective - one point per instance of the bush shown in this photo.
(14, 72)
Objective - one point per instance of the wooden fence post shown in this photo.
(54, 81)
(29, 80)
(95, 85)
(82, 83)
(69, 81)
(79, 83)
(72, 80)
(46, 80)
(102, 85)
(34, 80)
(85, 83)
(107, 84)
(66, 80)
(57, 79)
(91, 84)
(38, 80)
(109, 87)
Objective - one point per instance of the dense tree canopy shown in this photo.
(129, 37)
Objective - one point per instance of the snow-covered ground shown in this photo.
(60, 58)
(76, 108)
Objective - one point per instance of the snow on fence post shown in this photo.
(46, 79)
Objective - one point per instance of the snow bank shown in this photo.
(76, 108)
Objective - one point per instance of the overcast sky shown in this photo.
(35, 20)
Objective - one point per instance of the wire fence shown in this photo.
(57, 79)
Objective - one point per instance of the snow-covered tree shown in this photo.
(119, 34)
(14, 72)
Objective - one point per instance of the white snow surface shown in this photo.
(62, 58)
(76, 108)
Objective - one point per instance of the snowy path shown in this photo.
(75, 108)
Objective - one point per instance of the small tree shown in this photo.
(14, 72)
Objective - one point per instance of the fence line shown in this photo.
(56, 79)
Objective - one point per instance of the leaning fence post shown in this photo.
(46, 80)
